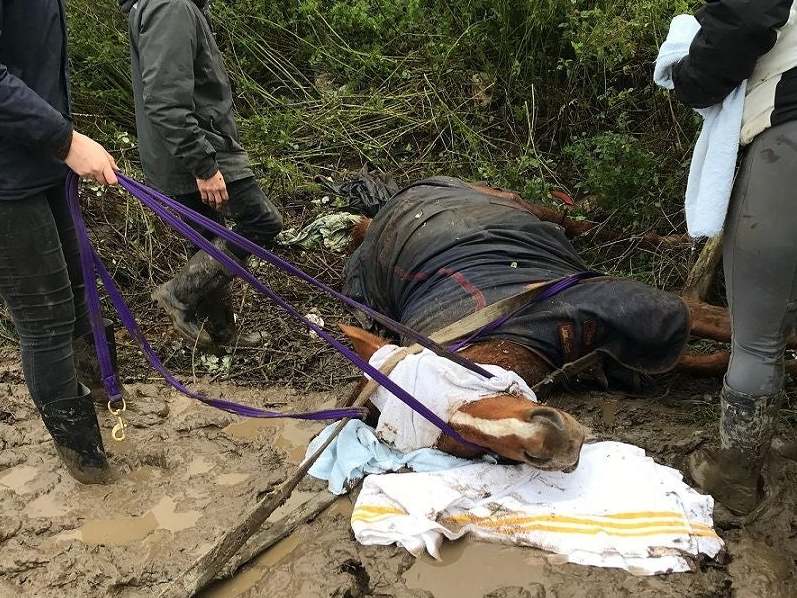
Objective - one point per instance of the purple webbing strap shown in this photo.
(550, 291)
(154, 201)
(92, 267)
(129, 322)
(87, 264)
(134, 187)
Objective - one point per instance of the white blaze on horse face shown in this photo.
(499, 428)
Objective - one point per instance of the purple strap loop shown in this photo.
(93, 267)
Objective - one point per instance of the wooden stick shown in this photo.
(273, 533)
(700, 278)
(569, 369)
(206, 567)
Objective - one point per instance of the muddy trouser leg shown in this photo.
(35, 285)
(206, 309)
(183, 297)
(204, 284)
(760, 261)
(255, 217)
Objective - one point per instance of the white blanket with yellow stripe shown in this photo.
(618, 509)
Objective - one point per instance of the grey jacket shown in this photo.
(184, 111)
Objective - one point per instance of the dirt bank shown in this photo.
(186, 472)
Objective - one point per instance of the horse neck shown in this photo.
(509, 356)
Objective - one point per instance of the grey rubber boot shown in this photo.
(732, 473)
(181, 296)
(217, 308)
(72, 423)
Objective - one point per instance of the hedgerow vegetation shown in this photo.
(528, 94)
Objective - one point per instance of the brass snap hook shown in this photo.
(118, 431)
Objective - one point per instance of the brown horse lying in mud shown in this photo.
(442, 249)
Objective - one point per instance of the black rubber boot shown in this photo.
(181, 296)
(217, 308)
(732, 473)
(87, 365)
(72, 423)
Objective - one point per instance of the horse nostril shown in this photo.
(536, 461)
(573, 467)
(550, 415)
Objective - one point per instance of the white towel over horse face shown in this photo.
(442, 386)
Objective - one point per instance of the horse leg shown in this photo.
(710, 321)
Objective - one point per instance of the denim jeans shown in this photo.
(42, 285)
(253, 215)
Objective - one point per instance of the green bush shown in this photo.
(618, 170)
(529, 94)
(100, 63)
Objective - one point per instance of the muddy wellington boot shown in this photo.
(217, 308)
(732, 473)
(72, 423)
(180, 297)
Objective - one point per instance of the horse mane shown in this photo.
(358, 232)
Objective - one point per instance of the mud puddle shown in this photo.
(126, 530)
(460, 573)
(291, 436)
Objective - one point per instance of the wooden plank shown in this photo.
(700, 278)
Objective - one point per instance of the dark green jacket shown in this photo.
(184, 111)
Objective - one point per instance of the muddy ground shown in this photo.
(186, 472)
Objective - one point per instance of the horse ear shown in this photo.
(365, 343)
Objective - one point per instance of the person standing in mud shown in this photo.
(754, 41)
(41, 282)
(190, 149)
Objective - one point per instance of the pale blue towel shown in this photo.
(711, 173)
(357, 452)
